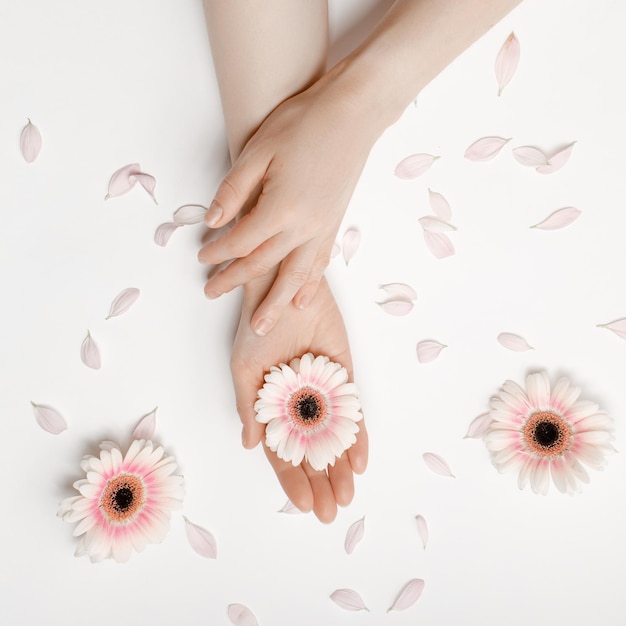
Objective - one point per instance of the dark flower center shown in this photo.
(306, 407)
(547, 434)
(309, 408)
(122, 499)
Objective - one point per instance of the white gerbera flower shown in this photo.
(310, 410)
(125, 501)
(544, 433)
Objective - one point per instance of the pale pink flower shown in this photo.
(310, 410)
(125, 501)
(547, 433)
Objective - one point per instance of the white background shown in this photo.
(116, 82)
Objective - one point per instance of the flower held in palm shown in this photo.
(124, 502)
(543, 432)
(310, 410)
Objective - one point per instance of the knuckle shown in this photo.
(297, 277)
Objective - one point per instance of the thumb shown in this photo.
(246, 388)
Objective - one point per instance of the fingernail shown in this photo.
(304, 301)
(211, 294)
(213, 215)
(263, 326)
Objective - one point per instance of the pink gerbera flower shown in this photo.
(310, 410)
(124, 502)
(544, 433)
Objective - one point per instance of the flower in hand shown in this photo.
(311, 410)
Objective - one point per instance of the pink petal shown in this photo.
(350, 243)
(164, 232)
(507, 61)
(559, 219)
(557, 161)
(396, 307)
(354, 535)
(241, 615)
(437, 464)
(146, 427)
(486, 148)
(408, 596)
(514, 342)
(123, 301)
(618, 327)
(201, 540)
(89, 353)
(422, 529)
(439, 244)
(414, 165)
(348, 599)
(435, 225)
(399, 291)
(148, 183)
(479, 426)
(428, 350)
(49, 419)
(189, 214)
(123, 180)
(290, 508)
(529, 156)
(439, 205)
(30, 142)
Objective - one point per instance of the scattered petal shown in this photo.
(514, 342)
(437, 464)
(49, 419)
(146, 427)
(89, 353)
(354, 535)
(201, 540)
(414, 165)
(348, 599)
(396, 307)
(428, 350)
(335, 250)
(439, 205)
(189, 214)
(148, 183)
(559, 219)
(618, 327)
(435, 225)
(123, 180)
(486, 148)
(439, 244)
(30, 142)
(557, 161)
(290, 508)
(408, 596)
(241, 615)
(529, 156)
(399, 291)
(507, 61)
(422, 529)
(164, 232)
(479, 426)
(351, 241)
(123, 301)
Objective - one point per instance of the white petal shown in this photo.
(30, 142)
(408, 596)
(439, 244)
(89, 353)
(241, 615)
(123, 301)
(529, 156)
(437, 464)
(428, 350)
(559, 219)
(557, 161)
(479, 426)
(201, 540)
(507, 61)
(146, 427)
(514, 342)
(189, 214)
(617, 326)
(435, 225)
(348, 599)
(290, 508)
(422, 529)
(399, 291)
(49, 419)
(396, 307)
(414, 165)
(439, 205)
(123, 180)
(163, 233)
(486, 148)
(148, 183)
(354, 535)
(350, 243)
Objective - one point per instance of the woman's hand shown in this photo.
(318, 329)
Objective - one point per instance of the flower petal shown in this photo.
(507, 61)
(559, 219)
(90, 353)
(123, 180)
(146, 427)
(30, 142)
(435, 225)
(414, 165)
(439, 244)
(557, 161)
(189, 214)
(437, 464)
(399, 291)
(439, 205)
(428, 350)
(396, 307)
(241, 615)
(617, 326)
(514, 342)
(408, 596)
(49, 419)
(123, 301)
(529, 156)
(422, 529)
(348, 599)
(290, 508)
(201, 540)
(164, 232)
(350, 243)
(486, 148)
(148, 182)
(479, 426)
(354, 535)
